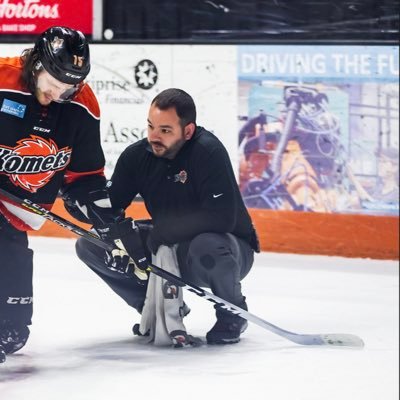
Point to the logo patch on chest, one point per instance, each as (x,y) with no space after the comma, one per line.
(13,108)
(181,177)
(33,162)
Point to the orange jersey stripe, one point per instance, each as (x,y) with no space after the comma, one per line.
(71,176)
(10,76)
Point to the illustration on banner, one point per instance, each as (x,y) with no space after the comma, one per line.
(324,139)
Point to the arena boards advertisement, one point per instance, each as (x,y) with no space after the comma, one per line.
(34,16)
(125,79)
(309,128)
(319,128)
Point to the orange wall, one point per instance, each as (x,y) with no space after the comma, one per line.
(329,234)
(297,232)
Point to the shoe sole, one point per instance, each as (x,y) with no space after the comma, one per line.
(224,341)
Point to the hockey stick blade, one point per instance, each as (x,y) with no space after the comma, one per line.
(342,339)
(332,339)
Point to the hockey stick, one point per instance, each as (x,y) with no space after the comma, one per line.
(330,339)
(39,210)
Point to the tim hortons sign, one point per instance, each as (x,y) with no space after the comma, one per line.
(35,16)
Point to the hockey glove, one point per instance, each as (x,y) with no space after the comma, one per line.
(92,207)
(87,200)
(128,256)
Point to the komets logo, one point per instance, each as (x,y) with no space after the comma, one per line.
(32,163)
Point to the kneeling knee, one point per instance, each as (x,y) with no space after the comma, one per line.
(85,250)
(209,249)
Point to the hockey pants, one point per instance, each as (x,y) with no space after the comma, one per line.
(16,293)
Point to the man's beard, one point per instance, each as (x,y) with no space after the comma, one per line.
(169,152)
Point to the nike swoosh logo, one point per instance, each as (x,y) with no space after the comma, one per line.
(217,195)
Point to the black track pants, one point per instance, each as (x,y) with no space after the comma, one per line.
(126,287)
(217,261)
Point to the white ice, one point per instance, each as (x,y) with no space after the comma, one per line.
(81,346)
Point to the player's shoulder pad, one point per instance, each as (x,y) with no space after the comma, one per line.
(87,99)
(10,73)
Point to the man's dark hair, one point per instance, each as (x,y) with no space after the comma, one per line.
(29,60)
(181,101)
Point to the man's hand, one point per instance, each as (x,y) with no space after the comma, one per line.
(95,207)
(128,256)
(118,260)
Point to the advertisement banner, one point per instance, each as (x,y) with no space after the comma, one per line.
(308,128)
(319,128)
(126,78)
(34,16)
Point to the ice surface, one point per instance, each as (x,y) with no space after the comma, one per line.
(81,347)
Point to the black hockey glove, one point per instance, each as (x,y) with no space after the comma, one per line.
(88,201)
(128,257)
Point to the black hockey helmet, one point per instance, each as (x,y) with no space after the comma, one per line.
(64,54)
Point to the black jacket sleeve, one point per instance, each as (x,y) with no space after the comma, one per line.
(124,182)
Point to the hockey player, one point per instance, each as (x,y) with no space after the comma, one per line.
(50,140)
(184,175)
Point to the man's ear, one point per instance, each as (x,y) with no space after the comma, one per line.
(189,131)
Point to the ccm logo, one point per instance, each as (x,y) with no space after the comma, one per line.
(20,300)
(73,76)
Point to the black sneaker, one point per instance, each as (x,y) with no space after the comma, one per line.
(227,330)
(136,331)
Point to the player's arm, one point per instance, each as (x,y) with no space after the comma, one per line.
(86,197)
(88,200)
